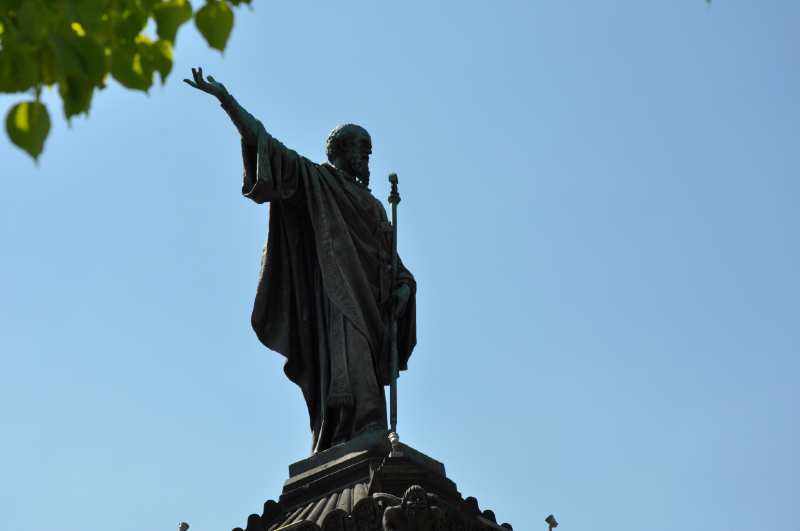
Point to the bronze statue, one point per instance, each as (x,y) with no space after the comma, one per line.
(325,291)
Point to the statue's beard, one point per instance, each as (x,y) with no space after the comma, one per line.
(356,167)
(361,171)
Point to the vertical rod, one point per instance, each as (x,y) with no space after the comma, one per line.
(394,199)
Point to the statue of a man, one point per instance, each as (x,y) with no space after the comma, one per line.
(325,290)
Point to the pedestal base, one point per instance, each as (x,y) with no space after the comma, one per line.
(371,484)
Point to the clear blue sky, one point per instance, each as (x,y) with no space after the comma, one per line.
(600,204)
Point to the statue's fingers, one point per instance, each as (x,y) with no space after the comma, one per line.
(211,79)
(190,83)
(200,72)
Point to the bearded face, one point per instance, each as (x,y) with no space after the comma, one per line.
(356,155)
(349,147)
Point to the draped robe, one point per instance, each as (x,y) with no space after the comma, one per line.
(324,290)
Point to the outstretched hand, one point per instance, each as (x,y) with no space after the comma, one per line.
(209,85)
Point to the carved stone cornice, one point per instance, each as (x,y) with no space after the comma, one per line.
(366,485)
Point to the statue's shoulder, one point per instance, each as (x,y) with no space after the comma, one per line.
(332,175)
(329,168)
(343,178)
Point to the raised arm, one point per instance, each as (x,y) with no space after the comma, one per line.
(243,120)
(271,170)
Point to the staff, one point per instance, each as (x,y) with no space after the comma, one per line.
(394,199)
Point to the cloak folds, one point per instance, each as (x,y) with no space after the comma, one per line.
(324,229)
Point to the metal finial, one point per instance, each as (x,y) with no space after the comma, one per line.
(394,440)
(394,195)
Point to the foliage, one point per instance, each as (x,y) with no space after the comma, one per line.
(76,44)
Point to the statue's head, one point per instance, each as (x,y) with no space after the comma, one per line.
(349,147)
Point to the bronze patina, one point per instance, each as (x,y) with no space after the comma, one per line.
(328,296)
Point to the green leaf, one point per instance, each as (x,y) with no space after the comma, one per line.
(9,5)
(215,22)
(76,94)
(161,57)
(146,50)
(93,59)
(17,69)
(33,19)
(66,57)
(27,125)
(170,16)
(149,5)
(89,14)
(47,66)
(79,57)
(131,69)
(130,22)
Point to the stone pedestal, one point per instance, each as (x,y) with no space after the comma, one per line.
(371,484)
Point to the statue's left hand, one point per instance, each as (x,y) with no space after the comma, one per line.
(209,85)
(400,297)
